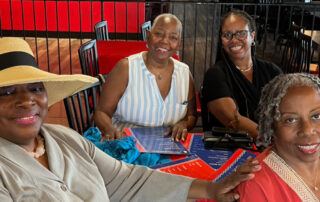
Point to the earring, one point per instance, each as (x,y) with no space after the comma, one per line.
(147,45)
(177,53)
(253,43)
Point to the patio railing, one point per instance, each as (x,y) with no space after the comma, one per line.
(56,28)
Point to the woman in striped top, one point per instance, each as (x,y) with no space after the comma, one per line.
(150,88)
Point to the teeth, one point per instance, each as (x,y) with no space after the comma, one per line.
(236,48)
(27,118)
(308,147)
(162,49)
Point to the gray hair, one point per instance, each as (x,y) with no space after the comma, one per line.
(169,15)
(268,109)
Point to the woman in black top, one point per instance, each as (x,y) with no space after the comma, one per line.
(232,87)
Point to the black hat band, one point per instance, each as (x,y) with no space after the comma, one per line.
(17,58)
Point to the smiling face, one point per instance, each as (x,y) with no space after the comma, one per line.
(164,38)
(297,133)
(23,109)
(240,48)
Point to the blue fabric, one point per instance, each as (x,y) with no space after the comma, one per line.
(124,149)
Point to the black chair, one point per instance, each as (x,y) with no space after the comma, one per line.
(305,53)
(80,106)
(144,27)
(205,114)
(101,30)
(290,58)
(307,50)
(88,56)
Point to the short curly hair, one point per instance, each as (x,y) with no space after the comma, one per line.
(268,109)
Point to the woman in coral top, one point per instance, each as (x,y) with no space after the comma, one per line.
(289,124)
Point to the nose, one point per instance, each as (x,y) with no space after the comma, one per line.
(165,38)
(234,38)
(308,128)
(24,99)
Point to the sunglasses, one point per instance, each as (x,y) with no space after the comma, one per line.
(240,35)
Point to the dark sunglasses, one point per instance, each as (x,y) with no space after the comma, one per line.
(240,35)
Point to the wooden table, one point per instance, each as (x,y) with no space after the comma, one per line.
(315,34)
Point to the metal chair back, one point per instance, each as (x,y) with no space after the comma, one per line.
(101,30)
(305,52)
(290,57)
(81,105)
(144,27)
(88,56)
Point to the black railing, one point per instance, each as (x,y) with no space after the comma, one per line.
(65,25)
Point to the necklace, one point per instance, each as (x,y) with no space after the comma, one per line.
(245,70)
(315,187)
(159,77)
(305,182)
(40,148)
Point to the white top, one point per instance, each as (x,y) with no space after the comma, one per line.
(142,103)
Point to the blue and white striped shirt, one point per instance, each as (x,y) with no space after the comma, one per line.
(142,103)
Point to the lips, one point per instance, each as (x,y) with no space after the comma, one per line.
(162,50)
(28,119)
(236,48)
(308,149)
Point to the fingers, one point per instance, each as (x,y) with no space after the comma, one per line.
(179,133)
(219,192)
(184,134)
(111,136)
(118,134)
(168,131)
(249,166)
(106,137)
(229,197)
(242,173)
(175,136)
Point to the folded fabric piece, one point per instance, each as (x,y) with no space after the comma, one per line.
(124,149)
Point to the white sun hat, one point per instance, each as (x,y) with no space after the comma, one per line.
(18,66)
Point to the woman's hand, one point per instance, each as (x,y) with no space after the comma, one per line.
(222,191)
(111,135)
(178,131)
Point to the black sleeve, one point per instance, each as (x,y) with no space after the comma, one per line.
(215,84)
(276,70)
(267,71)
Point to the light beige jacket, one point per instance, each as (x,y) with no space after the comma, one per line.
(80,172)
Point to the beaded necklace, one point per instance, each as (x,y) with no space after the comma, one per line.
(245,70)
(39,151)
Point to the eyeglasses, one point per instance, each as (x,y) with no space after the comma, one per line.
(240,35)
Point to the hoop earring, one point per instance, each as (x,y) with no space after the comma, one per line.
(253,43)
